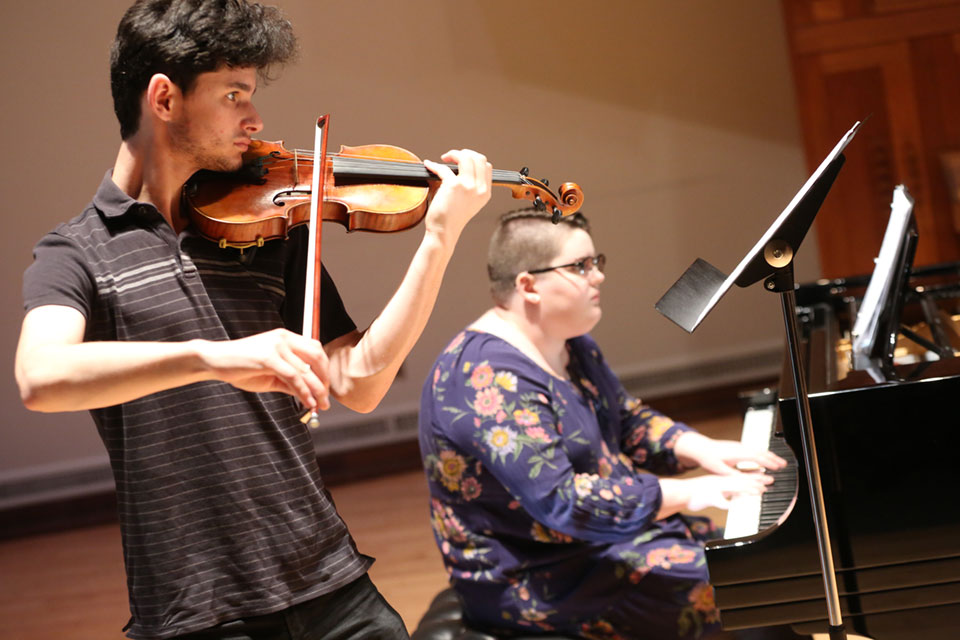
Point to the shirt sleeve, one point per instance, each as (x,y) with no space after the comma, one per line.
(59,275)
(512,417)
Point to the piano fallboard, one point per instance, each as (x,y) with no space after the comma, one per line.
(888,455)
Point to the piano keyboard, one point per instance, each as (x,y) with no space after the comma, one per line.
(748,515)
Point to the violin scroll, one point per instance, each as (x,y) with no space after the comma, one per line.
(568,202)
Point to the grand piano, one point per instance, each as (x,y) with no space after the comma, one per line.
(887,437)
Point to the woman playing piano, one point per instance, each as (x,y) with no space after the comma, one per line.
(541,466)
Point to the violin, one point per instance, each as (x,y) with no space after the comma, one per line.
(380,188)
(372,188)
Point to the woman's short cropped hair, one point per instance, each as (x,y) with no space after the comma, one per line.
(525,239)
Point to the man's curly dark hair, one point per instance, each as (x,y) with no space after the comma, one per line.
(184,38)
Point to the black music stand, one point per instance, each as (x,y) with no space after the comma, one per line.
(702,285)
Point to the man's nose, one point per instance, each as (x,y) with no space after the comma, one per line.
(253,123)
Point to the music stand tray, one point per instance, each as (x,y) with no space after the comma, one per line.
(702,285)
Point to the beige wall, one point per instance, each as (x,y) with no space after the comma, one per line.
(677,117)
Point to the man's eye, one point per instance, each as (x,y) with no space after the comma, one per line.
(232,96)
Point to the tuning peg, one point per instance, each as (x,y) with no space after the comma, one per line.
(556,215)
(525,171)
(545,182)
(539,204)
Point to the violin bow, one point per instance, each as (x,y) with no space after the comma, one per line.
(311,289)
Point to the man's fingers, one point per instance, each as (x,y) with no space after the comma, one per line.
(317,374)
(302,365)
(473,170)
(442,171)
(295,375)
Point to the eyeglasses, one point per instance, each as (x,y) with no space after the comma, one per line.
(584,266)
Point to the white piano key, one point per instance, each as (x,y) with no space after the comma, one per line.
(743,515)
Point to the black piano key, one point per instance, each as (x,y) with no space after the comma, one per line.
(778,497)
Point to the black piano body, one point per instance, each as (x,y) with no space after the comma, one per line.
(889,457)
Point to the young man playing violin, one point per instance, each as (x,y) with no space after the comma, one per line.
(183,352)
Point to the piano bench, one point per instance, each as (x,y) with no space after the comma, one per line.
(444,621)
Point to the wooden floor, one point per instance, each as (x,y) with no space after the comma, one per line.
(72,584)
(75,581)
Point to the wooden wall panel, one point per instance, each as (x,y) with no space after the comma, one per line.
(936,62)
(859,201)
(897,62)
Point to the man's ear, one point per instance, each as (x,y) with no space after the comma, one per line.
(163,97)
(525,285)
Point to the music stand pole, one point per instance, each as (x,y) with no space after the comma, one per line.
(782,282)
(702,285)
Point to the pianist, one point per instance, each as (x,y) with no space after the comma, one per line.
(540,465)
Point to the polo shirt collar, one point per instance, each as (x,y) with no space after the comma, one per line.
(111,199)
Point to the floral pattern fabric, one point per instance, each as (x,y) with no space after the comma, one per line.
(544,502)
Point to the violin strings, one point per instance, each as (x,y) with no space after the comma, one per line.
(393,168)
(400,167)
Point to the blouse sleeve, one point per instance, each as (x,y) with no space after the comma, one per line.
(516,419)
(648,436)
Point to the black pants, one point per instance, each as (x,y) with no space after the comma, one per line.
(356,611)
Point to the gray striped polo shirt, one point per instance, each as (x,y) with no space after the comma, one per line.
(221,505)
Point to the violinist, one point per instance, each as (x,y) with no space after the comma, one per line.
(183,352)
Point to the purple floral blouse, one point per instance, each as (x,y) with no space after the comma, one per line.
(543,501)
